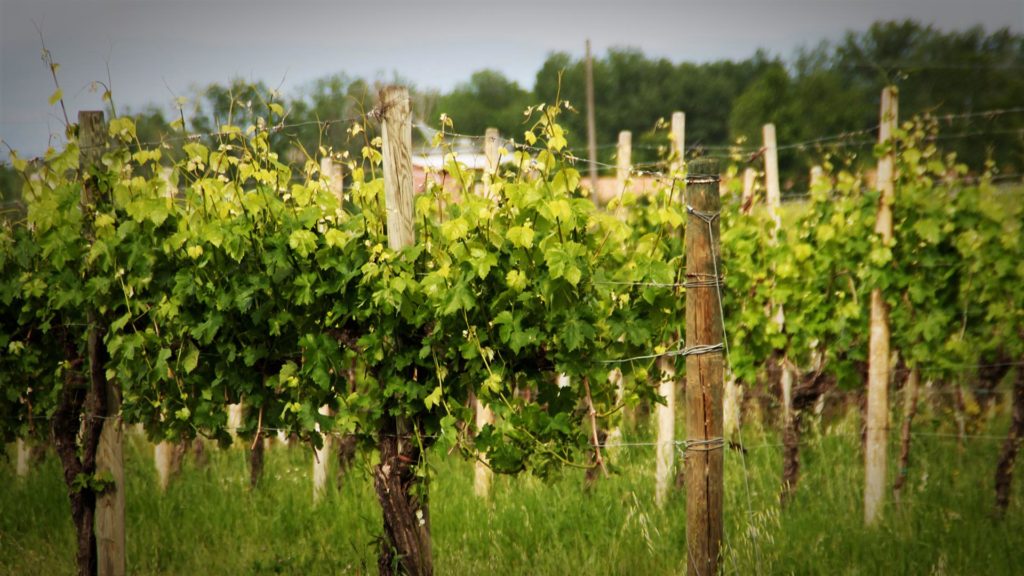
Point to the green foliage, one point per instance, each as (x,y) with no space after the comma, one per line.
(487,100)
(233,277)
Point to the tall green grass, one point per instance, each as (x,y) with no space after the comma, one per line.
(209,522)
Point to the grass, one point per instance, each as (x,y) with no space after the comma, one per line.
(209,522)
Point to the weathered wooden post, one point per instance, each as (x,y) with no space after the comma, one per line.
(771,173)
(878,344)
(109,454)
(406,517)
(623,160)
(664,451)
(330,171)
(481,471)
(678,141)
(704,369)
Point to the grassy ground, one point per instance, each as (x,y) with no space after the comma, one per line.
(210,523)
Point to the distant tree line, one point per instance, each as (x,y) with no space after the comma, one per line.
(827,90)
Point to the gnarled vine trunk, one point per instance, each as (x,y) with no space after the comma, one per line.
(1014,437)
(76,442)
(808,389)
(406,547)
(910,391)
(256,454)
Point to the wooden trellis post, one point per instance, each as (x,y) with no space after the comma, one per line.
(407,535)
(704,369)
(878,344)
(482,475)
(664,457)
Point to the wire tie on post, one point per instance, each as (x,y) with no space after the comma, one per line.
(705,445)
(697,350)
(708,217)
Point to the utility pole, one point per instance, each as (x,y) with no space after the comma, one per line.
(591,125)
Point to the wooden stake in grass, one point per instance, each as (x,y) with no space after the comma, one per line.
(704,369)
(878,344)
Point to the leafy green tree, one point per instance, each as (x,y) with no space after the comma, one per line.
(487,100)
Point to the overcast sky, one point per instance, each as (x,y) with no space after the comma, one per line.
(156,49)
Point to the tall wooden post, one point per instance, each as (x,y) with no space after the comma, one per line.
(704,369)
(771,173)
(591,124)
(481,471)
(406,515)
(109,453)
(664,456)
(878,343)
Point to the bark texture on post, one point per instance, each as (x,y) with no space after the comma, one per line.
(704,370)
(878,343)
(1008,456)
(396,132)
(406,546)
